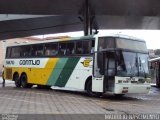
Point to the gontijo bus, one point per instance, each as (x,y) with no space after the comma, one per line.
(115,63)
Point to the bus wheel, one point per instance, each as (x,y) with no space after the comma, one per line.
(24,81)
(89,90)
(17,80)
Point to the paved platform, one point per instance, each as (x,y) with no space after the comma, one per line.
(65,104)
(41,101)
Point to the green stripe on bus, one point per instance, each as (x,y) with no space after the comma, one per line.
(66,72)
(57,71)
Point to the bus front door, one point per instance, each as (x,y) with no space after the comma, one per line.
(109,71)
(98,74)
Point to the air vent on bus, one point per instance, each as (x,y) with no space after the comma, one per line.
(8,73)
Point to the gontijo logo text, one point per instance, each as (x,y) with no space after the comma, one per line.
(23,62)
(29,62)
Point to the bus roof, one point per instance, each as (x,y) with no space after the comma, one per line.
(122,36)
(51,40)
(76,38)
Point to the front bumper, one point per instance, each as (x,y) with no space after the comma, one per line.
(131,88)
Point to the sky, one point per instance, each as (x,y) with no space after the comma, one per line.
(152,37)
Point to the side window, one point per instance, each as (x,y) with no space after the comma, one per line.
(70,48)
(15,52)
(8,53)
(87,46)
(106,42)
(92,46)
(79,47)
(37,50)
(62,48)
(51,49)
(25,51)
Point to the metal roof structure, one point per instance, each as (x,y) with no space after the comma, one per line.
(20,18)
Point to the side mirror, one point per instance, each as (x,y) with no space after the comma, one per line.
(100,62)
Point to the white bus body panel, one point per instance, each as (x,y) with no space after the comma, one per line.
(97,84)
(80,74)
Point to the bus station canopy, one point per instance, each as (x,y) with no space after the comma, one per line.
(19,18)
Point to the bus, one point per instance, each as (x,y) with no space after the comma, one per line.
(115,64)
(154,65)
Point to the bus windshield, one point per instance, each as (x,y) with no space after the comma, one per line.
(132,64)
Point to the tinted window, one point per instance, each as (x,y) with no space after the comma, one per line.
(70,48)
(51,49)
(131,44)
(62,48)
(79,47)
(106,42)
(37,50)
(87,45)
(111,63)
(84,47)
(25,51)
(8,53)
(15,52)
(93,46)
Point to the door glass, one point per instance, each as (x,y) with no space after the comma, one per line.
(111,63)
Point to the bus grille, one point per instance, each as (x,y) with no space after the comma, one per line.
(8,73)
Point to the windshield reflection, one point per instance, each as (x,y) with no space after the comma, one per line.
(132,64)
(143,64)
